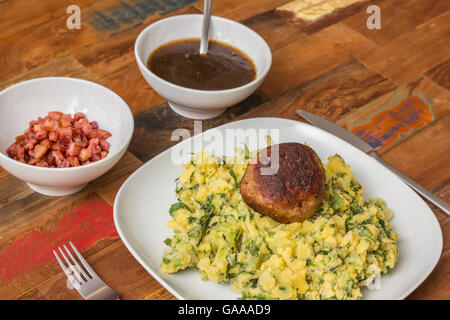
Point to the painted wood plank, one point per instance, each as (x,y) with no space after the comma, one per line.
(273,29)
(412,53)
(424,9)
(39,12)
(115,265)
(332,95)
(425,155)
(319,73)
(307,58)
(111,17)
(110,183)
(65,66)
(313,15)
(240,10)
(29,219)
(26,257)
(33,207)
(115,63)
(29,49)
(3,173)
(12,190)
(154,127)
(395,21)
(395,116)
(441,74)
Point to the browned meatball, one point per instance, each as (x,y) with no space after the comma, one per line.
(294,192)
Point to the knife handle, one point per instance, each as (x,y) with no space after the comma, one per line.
(437,201)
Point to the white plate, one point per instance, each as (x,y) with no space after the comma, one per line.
(142,204)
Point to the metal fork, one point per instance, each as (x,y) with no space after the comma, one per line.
(87,282)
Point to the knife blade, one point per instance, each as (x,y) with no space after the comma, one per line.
(336,130)
(369,150)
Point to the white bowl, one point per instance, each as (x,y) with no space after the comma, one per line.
(202,104)
(26,101)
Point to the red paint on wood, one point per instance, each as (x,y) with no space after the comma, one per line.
(84,226)
(410,114)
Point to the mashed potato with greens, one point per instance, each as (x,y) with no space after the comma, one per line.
(347,243)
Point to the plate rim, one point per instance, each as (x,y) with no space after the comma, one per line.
(169,288)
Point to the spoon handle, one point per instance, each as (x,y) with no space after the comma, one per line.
(205,28)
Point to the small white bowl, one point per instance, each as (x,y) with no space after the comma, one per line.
(202,104)
(26,101)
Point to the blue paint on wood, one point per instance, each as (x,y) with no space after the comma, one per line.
(121,15)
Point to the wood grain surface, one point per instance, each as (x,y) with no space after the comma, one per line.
(390,86)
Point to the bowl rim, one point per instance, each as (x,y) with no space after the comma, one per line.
(90,165)
(143,66)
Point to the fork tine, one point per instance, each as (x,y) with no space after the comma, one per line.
(80,269)
(72,267)
(66,271)
(83,261)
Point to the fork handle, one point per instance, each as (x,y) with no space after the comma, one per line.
(104,293)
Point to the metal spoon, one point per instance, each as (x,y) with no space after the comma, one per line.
(205,27)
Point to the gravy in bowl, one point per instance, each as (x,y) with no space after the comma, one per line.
(223,67)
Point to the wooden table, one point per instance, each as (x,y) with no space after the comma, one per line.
(391,86)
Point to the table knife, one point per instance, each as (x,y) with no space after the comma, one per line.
(369,150)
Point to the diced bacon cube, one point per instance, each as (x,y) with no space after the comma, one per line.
(59,157)
(96,157)
(41,148)
(20,153)
(74,162)
(72,141)
(79,115)
(51,159)
(84,141)
(41,134)
(11,151)
(76,132)
(74,149)
(19,139)
(55,115)
(36,128)
(103,134)
(67,117)
(82,122)
(51,125)
(86,129)
(53,136)
(33,161)
(30,135)
(56,147)
(65,164)
(64,142)
(64,123)
(85,154)
(42,164)
(29,144)
(92,134)
(94,146)
(104,145)
(66,132)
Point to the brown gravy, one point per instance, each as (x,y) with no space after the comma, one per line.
(223,67)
